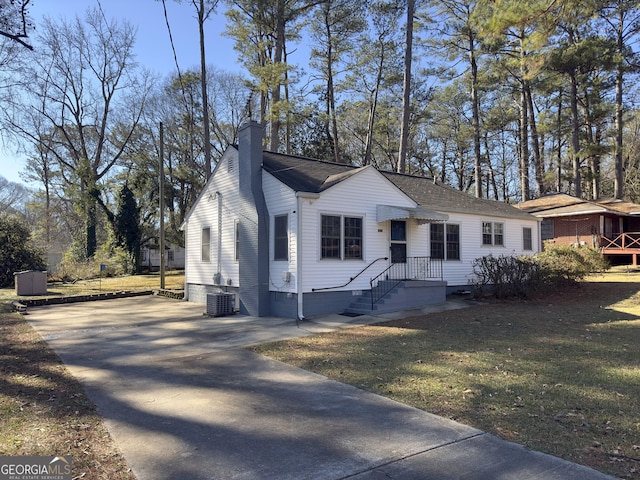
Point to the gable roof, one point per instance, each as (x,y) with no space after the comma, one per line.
(303,174)
(563,205)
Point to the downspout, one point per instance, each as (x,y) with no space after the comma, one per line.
(185,229)
(219,197)
(301,196)
(299,257)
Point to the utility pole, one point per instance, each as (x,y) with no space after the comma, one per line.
(161,194)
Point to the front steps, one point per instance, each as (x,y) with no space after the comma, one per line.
(406,295)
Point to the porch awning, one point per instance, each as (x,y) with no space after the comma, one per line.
(421,215)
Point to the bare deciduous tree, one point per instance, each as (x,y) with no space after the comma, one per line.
(14,21)
(81,85)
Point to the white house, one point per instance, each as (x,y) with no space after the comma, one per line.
(296,237)
(150,255)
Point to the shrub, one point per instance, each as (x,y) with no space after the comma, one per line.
(506,276)
(511,276)
(116,262)
(565,264)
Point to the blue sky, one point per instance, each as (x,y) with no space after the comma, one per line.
(153,48)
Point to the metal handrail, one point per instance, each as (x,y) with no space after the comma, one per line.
(414,268)
(352,278)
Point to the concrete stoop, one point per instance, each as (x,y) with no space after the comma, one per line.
(405,295)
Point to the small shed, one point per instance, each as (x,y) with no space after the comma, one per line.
(30,282)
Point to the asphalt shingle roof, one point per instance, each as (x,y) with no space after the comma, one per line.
(309,175)
(561,204)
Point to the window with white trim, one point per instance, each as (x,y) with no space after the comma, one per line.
(527,238)
(205,242)
(445,241)
(236,242)
(281,237)
(493,233)
(341,237)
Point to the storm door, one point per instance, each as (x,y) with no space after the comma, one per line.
(398,247)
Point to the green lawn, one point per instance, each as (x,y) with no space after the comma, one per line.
(559,374)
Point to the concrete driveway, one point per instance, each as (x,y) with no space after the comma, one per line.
(183,400)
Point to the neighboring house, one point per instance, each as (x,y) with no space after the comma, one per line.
(150,256)
(613,226)
(295,237)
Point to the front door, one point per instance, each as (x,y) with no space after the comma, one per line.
(398,247)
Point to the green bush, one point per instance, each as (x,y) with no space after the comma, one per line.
(512,276)
(17,253)
(565,264)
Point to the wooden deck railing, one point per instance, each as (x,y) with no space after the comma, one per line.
(620,242)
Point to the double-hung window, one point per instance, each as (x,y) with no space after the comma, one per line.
(352,237)
(341,237)
(236,237)
(453,241)
(527,239)
(493,233)
(281,237)
(206,244)
(445,241)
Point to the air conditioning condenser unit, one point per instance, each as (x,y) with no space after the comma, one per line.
(220,304)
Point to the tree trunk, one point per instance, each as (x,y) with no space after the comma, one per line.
(275,89)
(406,90)
(443,172)
(491,180)
(618,184)
(575,139)
(559,152)
(538,164)
(205,98)
(91,221)
(287,133)
(477,159)
(524,147)
(524,129)
(593,186)
(373,107)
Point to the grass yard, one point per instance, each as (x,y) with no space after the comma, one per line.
(559,374)
(174,280)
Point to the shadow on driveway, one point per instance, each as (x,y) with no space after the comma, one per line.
(183,400)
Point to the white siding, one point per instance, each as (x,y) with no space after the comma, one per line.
(356,196)
(281,200)
(459,272)
(221,192)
